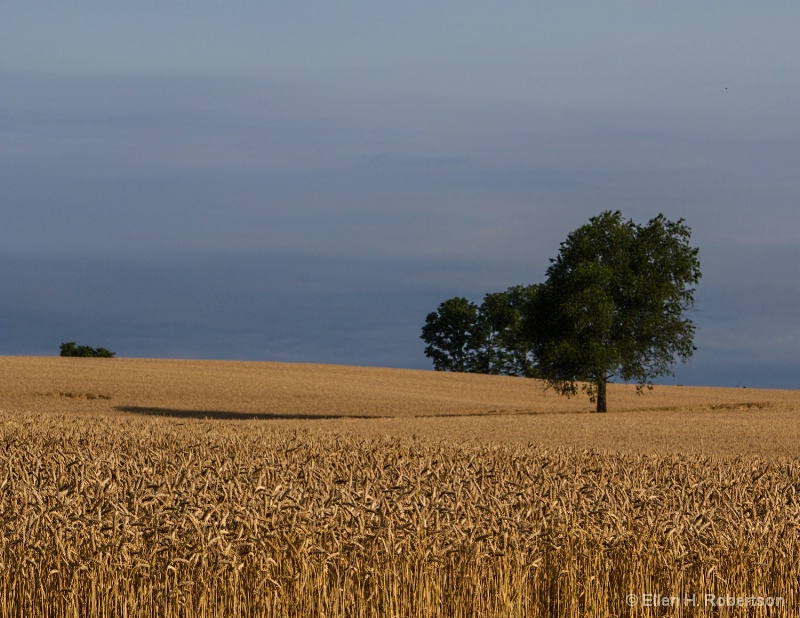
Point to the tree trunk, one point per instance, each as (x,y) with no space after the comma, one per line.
(602,381)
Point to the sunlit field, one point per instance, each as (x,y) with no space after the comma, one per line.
(196,488)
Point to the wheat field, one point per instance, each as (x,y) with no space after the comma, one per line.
(133,487)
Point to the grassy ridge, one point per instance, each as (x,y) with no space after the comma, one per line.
(393,402)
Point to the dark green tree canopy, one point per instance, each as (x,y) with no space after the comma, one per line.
(450,332)
(503,348)
(489,338)
(85,351)
(613,305)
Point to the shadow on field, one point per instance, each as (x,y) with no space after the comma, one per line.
(227,415)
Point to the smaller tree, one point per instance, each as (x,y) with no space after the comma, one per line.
(450,333)
(85,351)
(505,349)
(489,338)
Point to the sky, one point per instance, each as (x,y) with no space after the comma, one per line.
(305,180)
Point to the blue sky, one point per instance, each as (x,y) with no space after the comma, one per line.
(305,181)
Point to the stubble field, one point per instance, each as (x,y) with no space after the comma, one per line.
(196,488)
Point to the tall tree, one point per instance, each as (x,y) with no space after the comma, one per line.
(613,305)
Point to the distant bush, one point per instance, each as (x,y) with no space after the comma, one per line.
(70,349)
